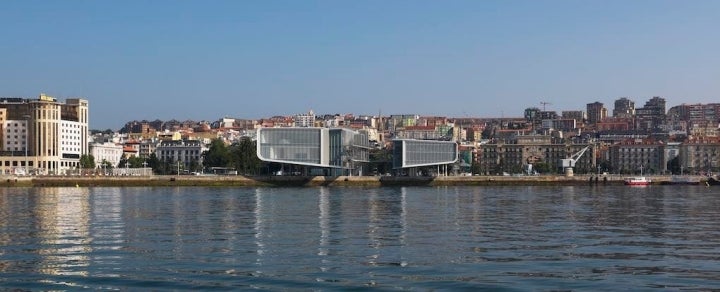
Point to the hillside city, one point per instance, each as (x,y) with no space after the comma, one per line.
(625,139)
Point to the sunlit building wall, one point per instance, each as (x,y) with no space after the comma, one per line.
(55,137)
(108,151)
(188,153)
(416,153)
(315,147)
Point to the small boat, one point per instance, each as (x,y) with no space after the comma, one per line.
(636,181)
(683,180)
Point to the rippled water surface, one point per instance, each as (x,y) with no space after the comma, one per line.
(421,238)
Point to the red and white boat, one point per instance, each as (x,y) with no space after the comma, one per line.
(637,181)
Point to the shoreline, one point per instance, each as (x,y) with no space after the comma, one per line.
(312,181)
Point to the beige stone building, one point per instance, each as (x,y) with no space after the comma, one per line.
(42,136)
(524,150)
(700,155)
(634,156)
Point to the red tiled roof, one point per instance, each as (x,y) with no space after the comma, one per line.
(420,128)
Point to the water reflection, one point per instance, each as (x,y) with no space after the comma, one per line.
(526,238)
(63,219)
(324,225)
(385,228)
(259,228)
(108,231)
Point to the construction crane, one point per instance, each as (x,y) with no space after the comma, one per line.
(569,163)
(543,103)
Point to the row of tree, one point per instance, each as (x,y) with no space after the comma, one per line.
(240,156)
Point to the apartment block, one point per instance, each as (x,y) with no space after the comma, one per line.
(700,155)
(652,116)
(596,112)
(638,155)
(185,152)
(624,108)
(305,120)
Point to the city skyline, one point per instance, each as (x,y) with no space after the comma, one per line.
(192,60)
(543,107)
(610,112)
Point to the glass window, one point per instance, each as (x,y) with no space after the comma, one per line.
(292,144)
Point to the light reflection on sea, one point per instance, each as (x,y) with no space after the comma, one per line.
(495,238)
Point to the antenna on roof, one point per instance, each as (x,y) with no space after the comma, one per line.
(543,103)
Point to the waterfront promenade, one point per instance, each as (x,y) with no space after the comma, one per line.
(254,181)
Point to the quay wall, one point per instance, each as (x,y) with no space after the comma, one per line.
(361,181)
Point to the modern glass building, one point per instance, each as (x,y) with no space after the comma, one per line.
(416,153)
(335,148)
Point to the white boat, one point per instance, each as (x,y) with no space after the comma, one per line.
(637,181)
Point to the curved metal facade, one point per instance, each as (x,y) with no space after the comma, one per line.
(321,147)
(414,153)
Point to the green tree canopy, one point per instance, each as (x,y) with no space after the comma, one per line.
(542,167)
(154,163)
(217,155)
(87,161)
(380,161)
(136,162)
(106,164)
(243,156)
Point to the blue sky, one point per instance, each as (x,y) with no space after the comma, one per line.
(248,59)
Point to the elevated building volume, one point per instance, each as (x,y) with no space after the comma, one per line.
(409,153)
(323,151)
(42,136)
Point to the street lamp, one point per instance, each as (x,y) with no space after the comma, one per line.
(27,127)
(145,167)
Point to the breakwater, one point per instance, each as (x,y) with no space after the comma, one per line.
(309,181)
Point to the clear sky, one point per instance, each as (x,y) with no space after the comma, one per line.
(203,60)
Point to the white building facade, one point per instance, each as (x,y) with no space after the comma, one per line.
(15,132)
(186,152)
(108,151)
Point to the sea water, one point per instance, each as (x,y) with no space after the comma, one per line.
(345,238)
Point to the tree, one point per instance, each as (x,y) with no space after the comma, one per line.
(217,155)
(106,164)
(167,166)
(123,161)
(154,163)
(542,167)
(243,156)
(194,166)
(131,162)
(87,161)
(606,166)
(380,160)
(476,168)
(674,165)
